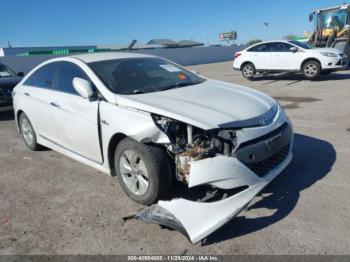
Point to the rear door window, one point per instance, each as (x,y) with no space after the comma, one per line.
(43,77)
(266,47)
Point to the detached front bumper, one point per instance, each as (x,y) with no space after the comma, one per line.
(200,219)
(255,164)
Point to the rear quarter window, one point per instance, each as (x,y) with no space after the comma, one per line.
(261,48)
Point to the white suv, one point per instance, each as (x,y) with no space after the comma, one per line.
(284,56)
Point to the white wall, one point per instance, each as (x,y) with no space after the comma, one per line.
(196,55)
(183,56)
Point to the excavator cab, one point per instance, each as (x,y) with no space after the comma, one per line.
(332,28)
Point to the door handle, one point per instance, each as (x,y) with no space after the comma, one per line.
(55,104)
(27,94)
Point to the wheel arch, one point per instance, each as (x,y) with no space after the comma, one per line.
(246,62)
(114,142)
(17,115)
(112,145)
(308,60)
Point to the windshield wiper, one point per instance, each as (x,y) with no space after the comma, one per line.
(189,83)
(138,91)
(142,91)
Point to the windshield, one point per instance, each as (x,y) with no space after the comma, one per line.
(333,19)
(302,44)
(143,75)
(5,71)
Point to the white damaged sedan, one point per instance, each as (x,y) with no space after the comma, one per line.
(147,121)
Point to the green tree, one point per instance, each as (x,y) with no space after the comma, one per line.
(253,42)
(290,37)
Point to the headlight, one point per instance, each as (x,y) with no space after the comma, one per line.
(162,121)
(170,127)
(329,54)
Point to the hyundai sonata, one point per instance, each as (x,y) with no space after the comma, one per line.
(148,121)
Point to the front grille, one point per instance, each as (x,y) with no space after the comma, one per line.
(283,128)
(262,168)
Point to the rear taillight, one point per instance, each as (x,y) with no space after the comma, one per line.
(237,55)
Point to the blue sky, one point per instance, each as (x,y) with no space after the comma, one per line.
(89,22)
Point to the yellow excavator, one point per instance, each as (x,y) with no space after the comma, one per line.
(332,28)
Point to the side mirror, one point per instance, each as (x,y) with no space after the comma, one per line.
(293,49)
(20,74)
(83,87)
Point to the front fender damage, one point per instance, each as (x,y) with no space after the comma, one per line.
(231,174)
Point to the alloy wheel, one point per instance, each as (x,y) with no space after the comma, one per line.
(248,71)
(27,131)
(310,70)
(134,172)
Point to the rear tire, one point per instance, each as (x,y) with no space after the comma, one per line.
(28,133)
(248,71)
(143,171)
(311,70)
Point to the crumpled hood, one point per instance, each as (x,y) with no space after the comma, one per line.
(207,105)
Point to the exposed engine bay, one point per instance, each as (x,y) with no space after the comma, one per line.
(189,144)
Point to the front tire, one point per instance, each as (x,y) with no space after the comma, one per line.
(248,71)
(28,133)
(311,70)
(143,171)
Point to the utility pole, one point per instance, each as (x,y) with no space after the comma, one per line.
(267,25)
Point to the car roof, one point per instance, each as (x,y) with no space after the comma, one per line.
(270,41)
(103,56)
(274,41)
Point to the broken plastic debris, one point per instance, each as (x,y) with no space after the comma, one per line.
(155,214)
